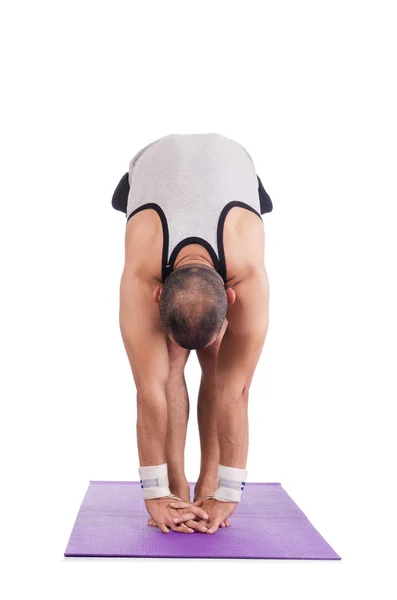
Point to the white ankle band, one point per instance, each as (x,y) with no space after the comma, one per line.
(230,484)
(154,481)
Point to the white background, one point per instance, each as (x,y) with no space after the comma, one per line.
(309,88)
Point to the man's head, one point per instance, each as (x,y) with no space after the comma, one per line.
(193,306)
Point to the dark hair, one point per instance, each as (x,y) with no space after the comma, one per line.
(193,306)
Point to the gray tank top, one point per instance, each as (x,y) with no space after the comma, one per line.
(192,181)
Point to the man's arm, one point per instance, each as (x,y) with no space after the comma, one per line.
(238,356)
(146,347)
(147,351)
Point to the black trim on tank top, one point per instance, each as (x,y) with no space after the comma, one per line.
(164,224)
(186,242)
(221,223)
(219,263)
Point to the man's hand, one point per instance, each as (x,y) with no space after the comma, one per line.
(168,517)
(217,511)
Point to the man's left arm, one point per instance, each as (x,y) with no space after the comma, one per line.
(238,355)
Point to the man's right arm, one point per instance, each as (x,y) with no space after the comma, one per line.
(146,347)
(147,351)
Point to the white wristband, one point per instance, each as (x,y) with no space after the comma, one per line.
(154,481)
(230,484)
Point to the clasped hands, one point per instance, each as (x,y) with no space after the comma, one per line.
(205,516)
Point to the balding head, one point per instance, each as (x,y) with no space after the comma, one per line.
(193,306)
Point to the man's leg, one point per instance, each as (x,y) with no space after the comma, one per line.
(177,418)
(178,414)
(206,417)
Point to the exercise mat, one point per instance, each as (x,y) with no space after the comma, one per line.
(112,521)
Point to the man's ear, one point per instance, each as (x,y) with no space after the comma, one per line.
(157,293)
(231,295)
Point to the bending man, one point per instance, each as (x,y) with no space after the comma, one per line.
(194,279)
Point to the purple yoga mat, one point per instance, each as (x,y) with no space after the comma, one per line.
(112,521)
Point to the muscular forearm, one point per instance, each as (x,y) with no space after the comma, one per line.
(151,426)
(232,428)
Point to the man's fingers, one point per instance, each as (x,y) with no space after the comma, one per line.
(190,505)
(183,517)
(191,513)
(182,528)
(163,528)
(198,525)
(180,504)
(214,526)
(187,516)
(199,512)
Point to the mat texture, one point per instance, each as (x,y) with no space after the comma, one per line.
(112,521)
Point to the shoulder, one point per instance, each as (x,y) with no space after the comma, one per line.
(244,245)
(144,246)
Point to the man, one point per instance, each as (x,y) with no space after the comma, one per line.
(194,279)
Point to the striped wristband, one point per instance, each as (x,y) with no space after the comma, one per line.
(154,481)
(230,484)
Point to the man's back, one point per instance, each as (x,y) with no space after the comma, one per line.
(192,182)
